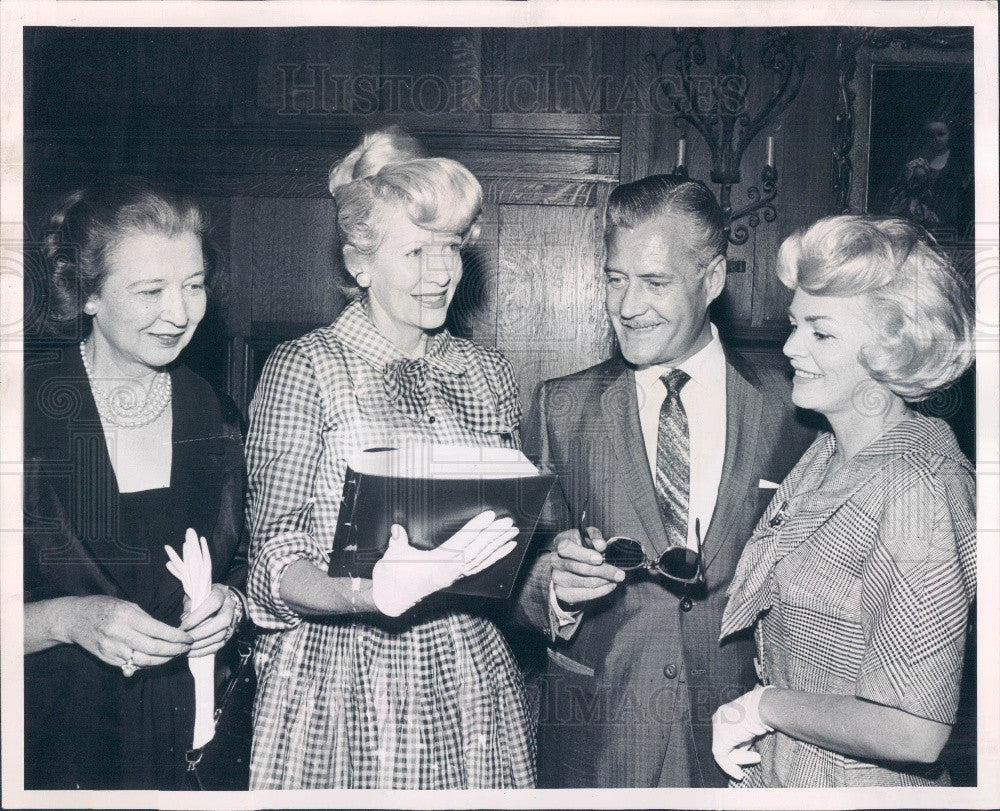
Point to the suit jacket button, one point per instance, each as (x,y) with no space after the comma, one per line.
(686,604)
(670,671)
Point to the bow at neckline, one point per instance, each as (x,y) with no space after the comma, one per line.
(449,373)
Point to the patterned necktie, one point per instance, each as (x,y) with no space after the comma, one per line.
(673,460)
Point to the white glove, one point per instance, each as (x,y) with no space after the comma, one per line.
(734,727)
(194,571)
(404,576)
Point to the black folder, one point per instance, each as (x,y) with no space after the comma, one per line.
(433,509)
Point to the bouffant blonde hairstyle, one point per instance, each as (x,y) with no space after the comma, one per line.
(389,170)
(920,307)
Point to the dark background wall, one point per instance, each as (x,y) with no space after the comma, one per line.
(549,119)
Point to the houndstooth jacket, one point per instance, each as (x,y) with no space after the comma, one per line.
(862,588)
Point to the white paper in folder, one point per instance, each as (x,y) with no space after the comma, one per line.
(194,571)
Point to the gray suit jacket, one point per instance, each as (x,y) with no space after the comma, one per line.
(628,700)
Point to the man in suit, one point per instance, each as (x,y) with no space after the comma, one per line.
(677,442)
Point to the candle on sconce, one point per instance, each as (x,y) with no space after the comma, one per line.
(681,151)
(770,150)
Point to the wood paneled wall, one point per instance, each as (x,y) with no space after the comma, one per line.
(549,120)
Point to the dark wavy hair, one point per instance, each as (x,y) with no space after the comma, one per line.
(690,201)
(89,223)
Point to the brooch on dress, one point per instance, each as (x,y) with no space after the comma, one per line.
(780,516)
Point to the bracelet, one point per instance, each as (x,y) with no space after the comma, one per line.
(237,617)
(355,591)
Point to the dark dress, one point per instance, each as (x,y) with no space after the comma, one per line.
(86,725)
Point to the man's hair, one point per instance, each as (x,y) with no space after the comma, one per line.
(690,201)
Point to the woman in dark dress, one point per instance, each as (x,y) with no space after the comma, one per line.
(935,188)
(125,450)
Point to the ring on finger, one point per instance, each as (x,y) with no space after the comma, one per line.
(129,667)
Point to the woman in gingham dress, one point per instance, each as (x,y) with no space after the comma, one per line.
(363,683)
(861,573)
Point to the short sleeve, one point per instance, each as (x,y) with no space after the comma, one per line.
(915,597)
(284,447)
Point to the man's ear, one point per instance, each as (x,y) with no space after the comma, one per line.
(715,278)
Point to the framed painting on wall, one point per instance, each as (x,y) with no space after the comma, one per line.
(920,147)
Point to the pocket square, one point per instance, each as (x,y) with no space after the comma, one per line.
(571,665)
(764,484)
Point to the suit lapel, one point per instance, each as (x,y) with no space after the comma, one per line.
(633,466)
(744,409)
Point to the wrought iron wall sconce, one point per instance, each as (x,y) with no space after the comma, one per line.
(715,105)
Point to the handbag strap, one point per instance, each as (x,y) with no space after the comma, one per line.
(193,757)
(244,648)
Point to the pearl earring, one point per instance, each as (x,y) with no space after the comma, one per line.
(363,279)
(90,308)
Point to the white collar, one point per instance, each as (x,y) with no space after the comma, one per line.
(702,367)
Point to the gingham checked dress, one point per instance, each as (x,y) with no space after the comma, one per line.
(862,587)
(432,701)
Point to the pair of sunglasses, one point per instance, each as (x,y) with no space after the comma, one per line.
(678,563)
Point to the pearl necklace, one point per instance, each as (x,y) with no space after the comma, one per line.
(121,407)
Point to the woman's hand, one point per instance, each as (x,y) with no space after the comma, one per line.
(210,623)
(734,727)
(117,631)
(404,576)
(916,170)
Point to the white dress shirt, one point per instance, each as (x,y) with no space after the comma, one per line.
(704,401)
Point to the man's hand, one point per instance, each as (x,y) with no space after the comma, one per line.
(580,574)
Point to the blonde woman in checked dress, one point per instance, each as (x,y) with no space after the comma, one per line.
(859,576)
(379,683)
